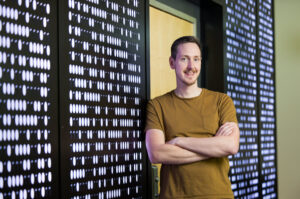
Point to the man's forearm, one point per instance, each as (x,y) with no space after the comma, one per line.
(171,154)
(224,143)
(210,147)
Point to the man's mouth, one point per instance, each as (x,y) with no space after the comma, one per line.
(190,72)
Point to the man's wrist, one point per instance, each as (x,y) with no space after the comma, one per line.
(179,141)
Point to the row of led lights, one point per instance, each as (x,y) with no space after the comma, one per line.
(14,134)
(24,120)
(34,62)
(34,47)
(11,13)
(21,30)
(109,4)
(18,180)
(25,149)
(99,146)
(91,184)
(25,193)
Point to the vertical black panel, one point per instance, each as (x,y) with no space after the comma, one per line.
(267,106)
(251,84)
(241,84)
(212,72)
(102,81)
(28,102)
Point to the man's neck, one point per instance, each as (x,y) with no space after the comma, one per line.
(188,92)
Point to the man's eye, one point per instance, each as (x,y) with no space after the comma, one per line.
(183,59)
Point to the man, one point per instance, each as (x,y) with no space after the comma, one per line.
(191,131)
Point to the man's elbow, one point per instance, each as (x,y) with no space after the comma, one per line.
(154,161)
(234,149)
(234,144)
(154,158)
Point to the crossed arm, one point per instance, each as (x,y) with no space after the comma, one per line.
(182,150)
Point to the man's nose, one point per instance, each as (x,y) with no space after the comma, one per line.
(190,64)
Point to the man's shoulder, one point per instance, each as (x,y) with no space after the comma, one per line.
(218,98)
(214,94)
(160,103)
(165,98)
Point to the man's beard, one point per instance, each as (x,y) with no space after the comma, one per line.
(187,83)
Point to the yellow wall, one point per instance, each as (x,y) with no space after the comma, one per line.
(164,29)
(287,55)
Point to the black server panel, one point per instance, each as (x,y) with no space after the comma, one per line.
(28,102)
(267,114)
(102,89)
(250,81)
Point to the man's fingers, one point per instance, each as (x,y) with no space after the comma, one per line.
(225,129)
(224,132)
(173,141)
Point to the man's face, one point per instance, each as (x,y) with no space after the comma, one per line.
(187,64)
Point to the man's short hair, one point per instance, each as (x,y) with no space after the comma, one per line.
(183,40)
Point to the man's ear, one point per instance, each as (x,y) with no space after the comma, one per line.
(171,62)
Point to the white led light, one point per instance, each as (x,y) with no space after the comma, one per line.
(48,9)
(41,35)
(26,31)
(43,192)
(32,178)
(45,134)
(8,165)
(34,4)
(28,134)
(46,121)
(39,152)
(27,17)
(24,90)
(44,22)
(32,193)
(49,177)
(49,163)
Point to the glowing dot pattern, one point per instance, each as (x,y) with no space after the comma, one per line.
(267,99)
(27,89)
(242,87)
(250,83)
(103,88)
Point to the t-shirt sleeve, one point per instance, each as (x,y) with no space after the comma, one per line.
(153,117)
(227,112)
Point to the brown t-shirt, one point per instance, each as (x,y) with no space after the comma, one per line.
(199,117)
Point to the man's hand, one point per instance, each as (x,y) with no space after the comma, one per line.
(226,129)
(174,141)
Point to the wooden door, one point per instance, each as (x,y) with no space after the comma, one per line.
(164,29)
